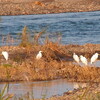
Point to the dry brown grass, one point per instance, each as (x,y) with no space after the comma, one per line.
(26,7)
(57,62)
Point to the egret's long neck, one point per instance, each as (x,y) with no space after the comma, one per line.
(39,52)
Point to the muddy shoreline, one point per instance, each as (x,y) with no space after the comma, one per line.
(87,93)
(57,62)
(25,7)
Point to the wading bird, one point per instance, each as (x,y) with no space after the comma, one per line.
(94,58)
(76,58)
(39,55)
(5,54)
(83,59)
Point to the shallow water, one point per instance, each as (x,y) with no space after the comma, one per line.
(76,28)
(95,64)
(40,89)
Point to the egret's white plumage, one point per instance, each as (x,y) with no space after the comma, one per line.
(76,58)
(5,54)
(76,86)
(83,59)
(39,55)
(94,58)
(81,85)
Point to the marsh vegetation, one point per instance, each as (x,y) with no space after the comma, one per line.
(57,62)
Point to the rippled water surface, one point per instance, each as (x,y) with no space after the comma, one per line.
(76,28)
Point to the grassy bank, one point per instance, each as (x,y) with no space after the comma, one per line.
(56,62)
(25,7)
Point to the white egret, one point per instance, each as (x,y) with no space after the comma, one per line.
(81,85)
(76,58)
(5,54)
(76,86)
(94,58)
(39,55)
(83,59)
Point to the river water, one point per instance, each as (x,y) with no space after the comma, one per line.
(75,28)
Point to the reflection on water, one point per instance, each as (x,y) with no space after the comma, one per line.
(39,89)
(79,85)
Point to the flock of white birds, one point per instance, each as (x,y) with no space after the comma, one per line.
(6,55)
(75,57)
(84,59)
